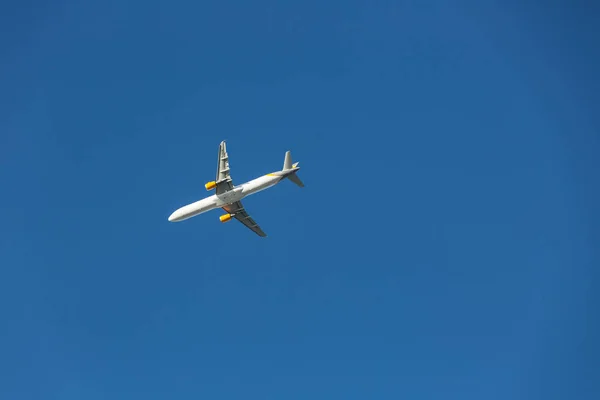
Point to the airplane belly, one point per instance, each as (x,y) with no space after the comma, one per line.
(259,184)
(230,197)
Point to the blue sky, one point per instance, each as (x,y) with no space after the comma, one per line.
(445,245)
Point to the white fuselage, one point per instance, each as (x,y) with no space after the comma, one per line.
(229,197)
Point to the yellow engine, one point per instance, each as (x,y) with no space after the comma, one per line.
(225,218)
(210,185)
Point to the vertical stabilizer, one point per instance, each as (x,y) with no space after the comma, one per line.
(287,163)
(287,166)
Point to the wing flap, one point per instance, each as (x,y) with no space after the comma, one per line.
(223,179)
(239,212)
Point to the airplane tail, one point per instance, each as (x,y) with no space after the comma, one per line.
(292,169)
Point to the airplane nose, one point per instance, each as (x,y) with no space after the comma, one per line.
(177,215)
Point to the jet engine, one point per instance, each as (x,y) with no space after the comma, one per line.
(225,218)
(210,185)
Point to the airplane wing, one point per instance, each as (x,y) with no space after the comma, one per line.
(223,180)
(239,213)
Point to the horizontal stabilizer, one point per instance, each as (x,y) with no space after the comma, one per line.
(294,178)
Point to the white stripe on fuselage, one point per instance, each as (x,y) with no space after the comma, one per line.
(218,201)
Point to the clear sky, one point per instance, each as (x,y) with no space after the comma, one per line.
(445,245)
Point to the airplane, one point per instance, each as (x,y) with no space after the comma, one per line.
(229,197)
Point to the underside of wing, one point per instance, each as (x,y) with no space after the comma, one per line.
(239,213)
(223,180)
